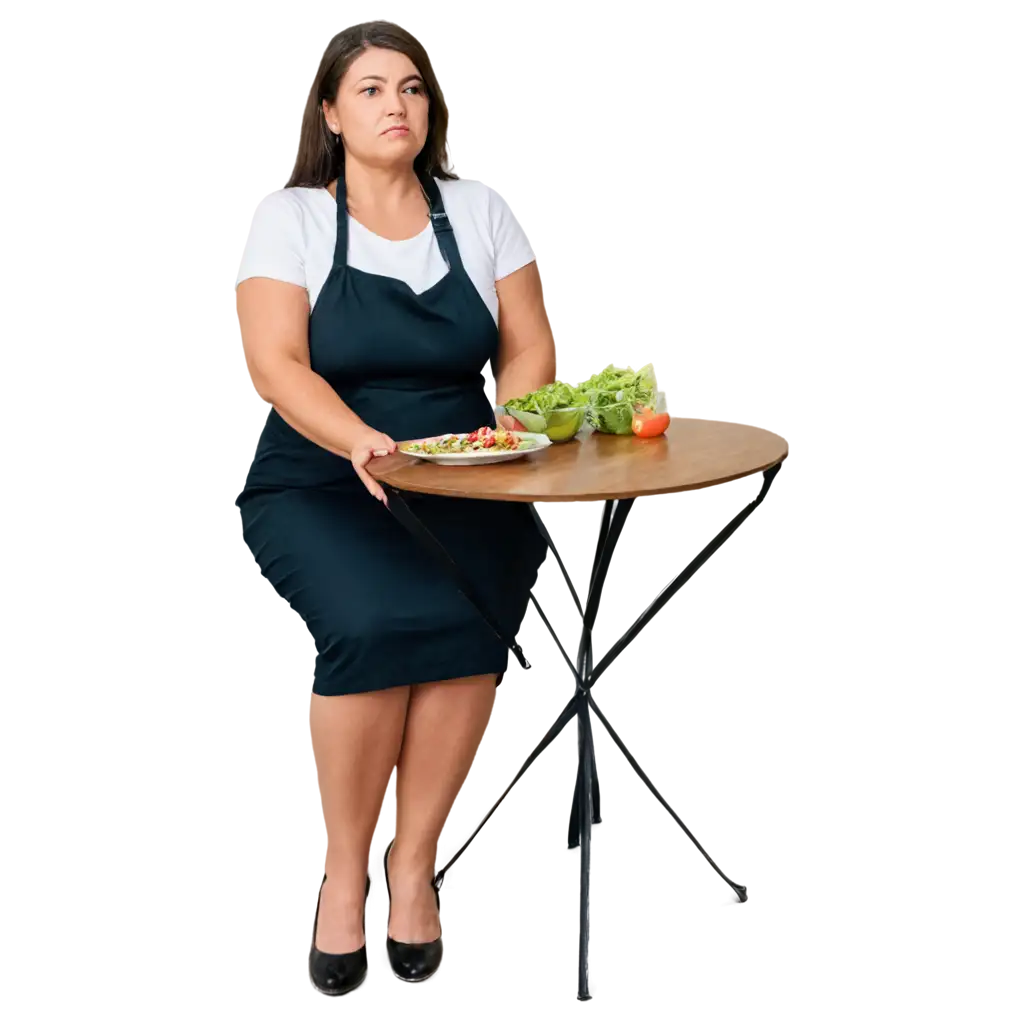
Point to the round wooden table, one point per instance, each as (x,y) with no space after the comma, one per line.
(592,467)
(600,467)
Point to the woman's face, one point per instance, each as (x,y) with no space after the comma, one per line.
(381,88)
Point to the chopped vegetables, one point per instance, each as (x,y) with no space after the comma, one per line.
(618,400)
(499,440)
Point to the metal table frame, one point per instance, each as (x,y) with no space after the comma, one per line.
(586,800)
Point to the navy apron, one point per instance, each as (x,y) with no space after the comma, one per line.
(380,611)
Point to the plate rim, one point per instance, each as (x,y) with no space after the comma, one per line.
(543,441)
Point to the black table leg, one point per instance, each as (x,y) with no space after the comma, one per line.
(612,522)
(562,722)
(687,573)
(588,774)
(585,807)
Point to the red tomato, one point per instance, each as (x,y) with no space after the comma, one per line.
(489,441)
(648,423)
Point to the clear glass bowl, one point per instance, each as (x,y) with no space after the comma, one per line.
(558,425)
(533,421)
(564,424)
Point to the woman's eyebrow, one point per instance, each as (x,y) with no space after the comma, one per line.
(381,78)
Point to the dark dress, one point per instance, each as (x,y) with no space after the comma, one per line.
(380,610)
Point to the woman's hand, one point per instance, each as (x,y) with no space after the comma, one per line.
(366,443)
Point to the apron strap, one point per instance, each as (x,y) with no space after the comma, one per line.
(341,242)
(438,218)
(442,226)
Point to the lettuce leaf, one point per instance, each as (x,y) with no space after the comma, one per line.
(612,393)
(556,395)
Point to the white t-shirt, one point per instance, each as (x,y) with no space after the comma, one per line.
(294,230)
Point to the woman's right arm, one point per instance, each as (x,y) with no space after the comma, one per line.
(274,319)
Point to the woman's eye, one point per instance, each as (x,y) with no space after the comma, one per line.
(372,89)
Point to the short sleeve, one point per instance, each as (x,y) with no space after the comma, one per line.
(511,246)
(274,247)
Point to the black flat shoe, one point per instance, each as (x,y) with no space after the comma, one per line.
(412,961)
(337,973)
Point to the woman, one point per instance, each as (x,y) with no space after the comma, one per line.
(368,301)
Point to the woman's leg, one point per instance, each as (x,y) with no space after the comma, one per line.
(356,740)
(444,724)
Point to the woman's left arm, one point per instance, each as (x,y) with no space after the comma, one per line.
(526,347)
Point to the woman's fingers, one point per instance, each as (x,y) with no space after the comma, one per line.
(373,446)
(391,446)
(368,481)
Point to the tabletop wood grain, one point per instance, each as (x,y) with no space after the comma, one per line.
(596,467)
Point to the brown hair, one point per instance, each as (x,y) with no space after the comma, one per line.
(321,156)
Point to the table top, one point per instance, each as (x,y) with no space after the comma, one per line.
(597,467)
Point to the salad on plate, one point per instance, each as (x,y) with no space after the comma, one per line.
(482,438)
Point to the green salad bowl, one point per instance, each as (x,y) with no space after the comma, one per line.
(557,424)
(564,424)
(533,421)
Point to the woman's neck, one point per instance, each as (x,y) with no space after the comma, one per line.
(396,219)
(383,192)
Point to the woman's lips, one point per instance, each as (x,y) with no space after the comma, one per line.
(397,131)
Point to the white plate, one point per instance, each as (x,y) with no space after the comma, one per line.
(481,456)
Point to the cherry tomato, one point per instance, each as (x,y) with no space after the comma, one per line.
(648,423)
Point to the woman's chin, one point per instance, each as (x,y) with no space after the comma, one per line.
(396,151)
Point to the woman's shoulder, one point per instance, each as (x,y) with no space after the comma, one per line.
(290,201)
(284,216)
(464,190)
